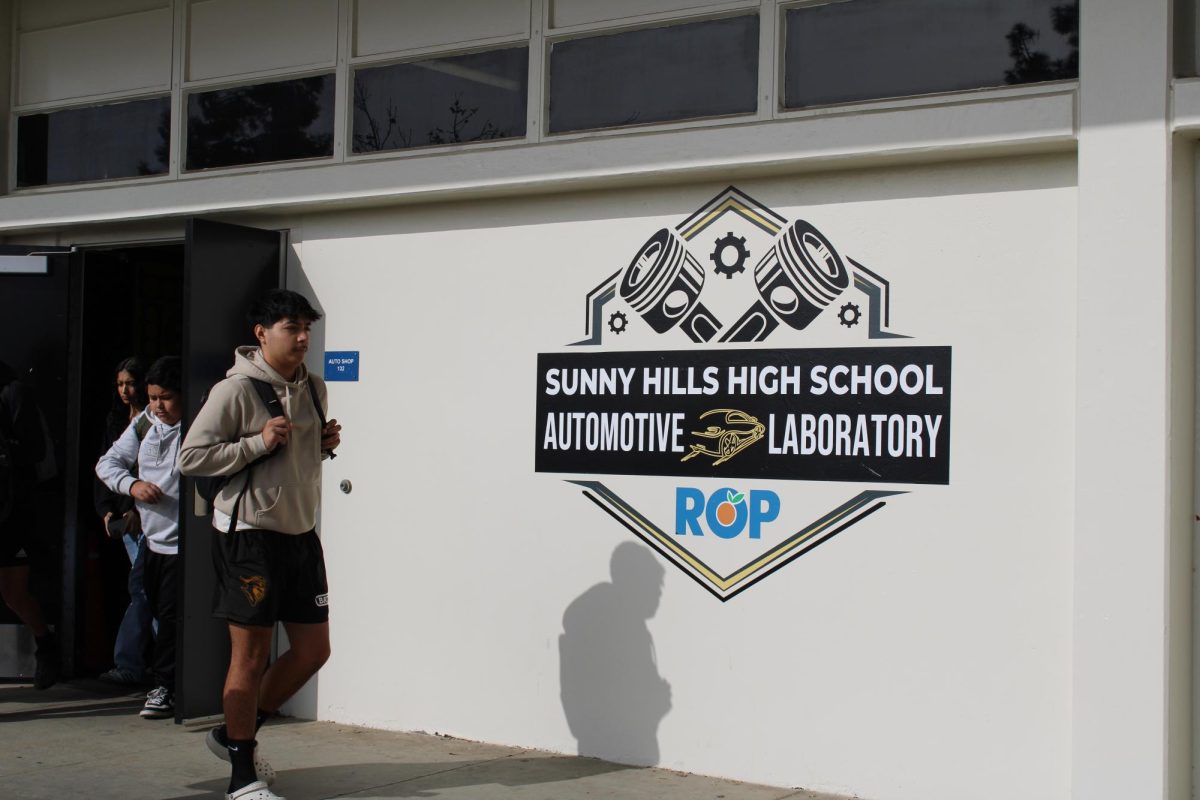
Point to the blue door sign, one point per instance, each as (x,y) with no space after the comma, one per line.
(341,365)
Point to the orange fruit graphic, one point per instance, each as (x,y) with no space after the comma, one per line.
(726,513)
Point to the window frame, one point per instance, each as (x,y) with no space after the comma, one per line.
(109,99)
(541,37)
(211,86)
(947,97)
(651,22)
(415,55)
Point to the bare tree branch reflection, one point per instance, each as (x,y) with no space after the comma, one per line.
(375,134)
(469,98)
(460,117)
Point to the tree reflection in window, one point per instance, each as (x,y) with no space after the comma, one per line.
(279,121)
(162,150)
(468,98)
(858,50)
(1029,65)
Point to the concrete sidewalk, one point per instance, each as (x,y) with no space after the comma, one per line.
(84,739)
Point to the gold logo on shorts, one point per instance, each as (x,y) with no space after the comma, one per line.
(255,588)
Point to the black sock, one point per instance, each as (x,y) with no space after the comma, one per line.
(260,718)
(241,755)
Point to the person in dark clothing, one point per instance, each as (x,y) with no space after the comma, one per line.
(121,521)
(23,448)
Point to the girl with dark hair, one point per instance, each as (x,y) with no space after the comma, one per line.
(130,398)
(121,521)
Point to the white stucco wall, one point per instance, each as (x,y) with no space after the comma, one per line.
(924,654)
(1022,632)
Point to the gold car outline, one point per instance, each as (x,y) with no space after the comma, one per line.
(729,442)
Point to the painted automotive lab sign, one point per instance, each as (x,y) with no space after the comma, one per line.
(721,408)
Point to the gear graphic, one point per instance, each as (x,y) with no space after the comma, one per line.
(738,243)
(617,322)
(849,315)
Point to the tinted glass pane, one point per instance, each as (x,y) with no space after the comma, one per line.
(865,49)
(277,121)
(702,69)
(467,98)
(93,144)
(1184,38)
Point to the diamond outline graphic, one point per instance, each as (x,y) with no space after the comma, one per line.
(725,587)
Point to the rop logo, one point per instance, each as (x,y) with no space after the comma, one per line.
(727,512)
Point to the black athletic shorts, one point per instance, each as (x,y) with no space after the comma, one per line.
(264,577)
(18,533)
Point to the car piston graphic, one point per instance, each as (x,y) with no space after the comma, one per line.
(797,279)
(731,460)
(799,273)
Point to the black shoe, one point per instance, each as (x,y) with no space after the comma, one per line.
(122,677)
(160,703)
(47,665)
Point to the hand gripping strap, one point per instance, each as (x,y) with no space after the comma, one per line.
(270,399)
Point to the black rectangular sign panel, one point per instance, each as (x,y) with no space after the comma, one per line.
(866,414)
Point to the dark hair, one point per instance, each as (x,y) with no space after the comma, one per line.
(133,365)
(280,304)
(167,372)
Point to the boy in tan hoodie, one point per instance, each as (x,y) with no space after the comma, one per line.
(269,563)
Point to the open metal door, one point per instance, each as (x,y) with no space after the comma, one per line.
(226,268)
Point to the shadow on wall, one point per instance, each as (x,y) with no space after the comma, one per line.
(612,694)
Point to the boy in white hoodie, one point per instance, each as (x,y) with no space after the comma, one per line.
(146,470)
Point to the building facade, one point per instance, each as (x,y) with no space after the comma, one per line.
(629,306)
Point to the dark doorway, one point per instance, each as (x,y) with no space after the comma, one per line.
(64,332)
(34,334)
(131,305)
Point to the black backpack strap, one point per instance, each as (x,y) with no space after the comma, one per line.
(312,392)
(266,393)
(233,516)
(271,400)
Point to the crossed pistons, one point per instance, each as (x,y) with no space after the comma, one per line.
(799,277)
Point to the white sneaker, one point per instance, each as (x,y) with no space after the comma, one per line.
(160,703)
(254,791)
(216,745)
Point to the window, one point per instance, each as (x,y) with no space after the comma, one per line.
(868,49)
(468,98)
(698,69)
(278,121)
(120,140)
(1184,38)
